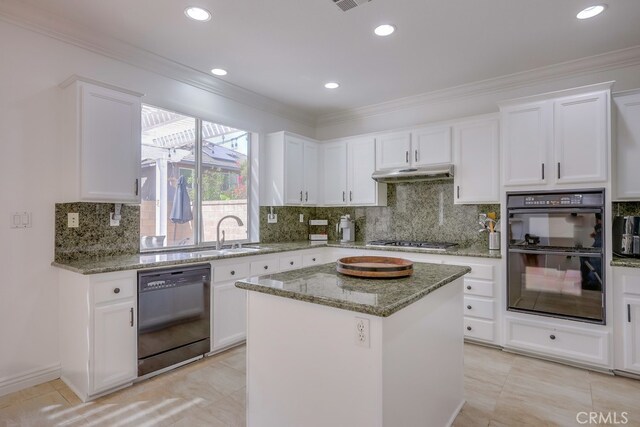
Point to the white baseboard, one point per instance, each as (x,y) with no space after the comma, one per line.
(29,379)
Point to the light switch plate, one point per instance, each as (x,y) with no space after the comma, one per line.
(20,220)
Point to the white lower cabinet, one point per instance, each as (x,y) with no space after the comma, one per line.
(626,287)
(582,345)
(98,331)
(115,339)
(229,315)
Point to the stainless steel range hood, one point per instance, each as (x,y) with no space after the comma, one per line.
(426,173)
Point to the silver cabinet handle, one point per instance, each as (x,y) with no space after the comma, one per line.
(131,311)
(558,170)
(629,313)
(306,196)
(543,171)
(406,157)
(416,155)
(136,186)
(301,195)
(344,196)
(351,196)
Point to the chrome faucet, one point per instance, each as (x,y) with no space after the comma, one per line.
(219,243)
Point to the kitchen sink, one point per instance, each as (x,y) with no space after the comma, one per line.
(239,250)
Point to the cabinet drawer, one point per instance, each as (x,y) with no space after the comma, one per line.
(630,283)
(571,343)
(113,288)
(478,287)
(311,259)
(480,271)
(266,266)
(225,273)
(479,329)
(478,307)
(290,262)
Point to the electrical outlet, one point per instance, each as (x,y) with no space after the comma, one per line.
(73,220)
(362,332)
(301,217)
(272,218)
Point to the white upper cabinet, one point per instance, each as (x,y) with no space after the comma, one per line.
(348,166)
(335,173)
(627,147)
(557,139)
(526,130)
(104,128)
(393,150)
(431,146)
(581,138)
(409,149)
(291,170)
(476,162)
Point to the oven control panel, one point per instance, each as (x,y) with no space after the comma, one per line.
(556,200)
(552,200)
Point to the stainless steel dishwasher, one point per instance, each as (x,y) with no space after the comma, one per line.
(173,316)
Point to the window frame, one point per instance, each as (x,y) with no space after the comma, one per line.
(199,242)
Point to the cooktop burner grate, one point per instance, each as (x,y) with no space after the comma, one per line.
(413,244)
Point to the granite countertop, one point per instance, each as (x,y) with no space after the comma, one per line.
(625,262)
(165,259)
(324,285)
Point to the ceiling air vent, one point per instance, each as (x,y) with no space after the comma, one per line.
(349,4)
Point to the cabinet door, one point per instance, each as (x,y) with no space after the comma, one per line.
(431,146)
(581,138)
(632,335)
(335,173)
(294,170)
(310,171)
(476,177)
(627,146)
(115,353)
(109,145)
(362,163)
(526,135)
(229,315)
(392,150)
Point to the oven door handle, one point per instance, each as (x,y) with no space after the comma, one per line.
(552,210)
(561,253)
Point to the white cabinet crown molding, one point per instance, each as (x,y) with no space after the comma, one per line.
(75,77)
(580,90)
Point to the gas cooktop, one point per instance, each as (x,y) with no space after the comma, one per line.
(433,246)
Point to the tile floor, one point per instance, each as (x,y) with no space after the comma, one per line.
(502,389)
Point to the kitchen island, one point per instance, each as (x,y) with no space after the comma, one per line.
(328,349)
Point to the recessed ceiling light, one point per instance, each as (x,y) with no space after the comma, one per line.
(219,72)
(197,13)
(591,11)
(384,30)
(332,85)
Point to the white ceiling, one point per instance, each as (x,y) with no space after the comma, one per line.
(287,50)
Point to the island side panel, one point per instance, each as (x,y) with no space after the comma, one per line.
(423,360)
(305,369)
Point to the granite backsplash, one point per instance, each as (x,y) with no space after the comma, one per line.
(94,237)
(626,209)
(414,211)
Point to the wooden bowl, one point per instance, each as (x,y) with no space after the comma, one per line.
(374,267)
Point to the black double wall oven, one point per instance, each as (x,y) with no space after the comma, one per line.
(555,254)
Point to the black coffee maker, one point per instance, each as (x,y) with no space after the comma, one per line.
(626,236)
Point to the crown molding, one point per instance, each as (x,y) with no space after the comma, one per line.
(59,28)
(589,65)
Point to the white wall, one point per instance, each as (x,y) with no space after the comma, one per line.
(366,120)
(32,65)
